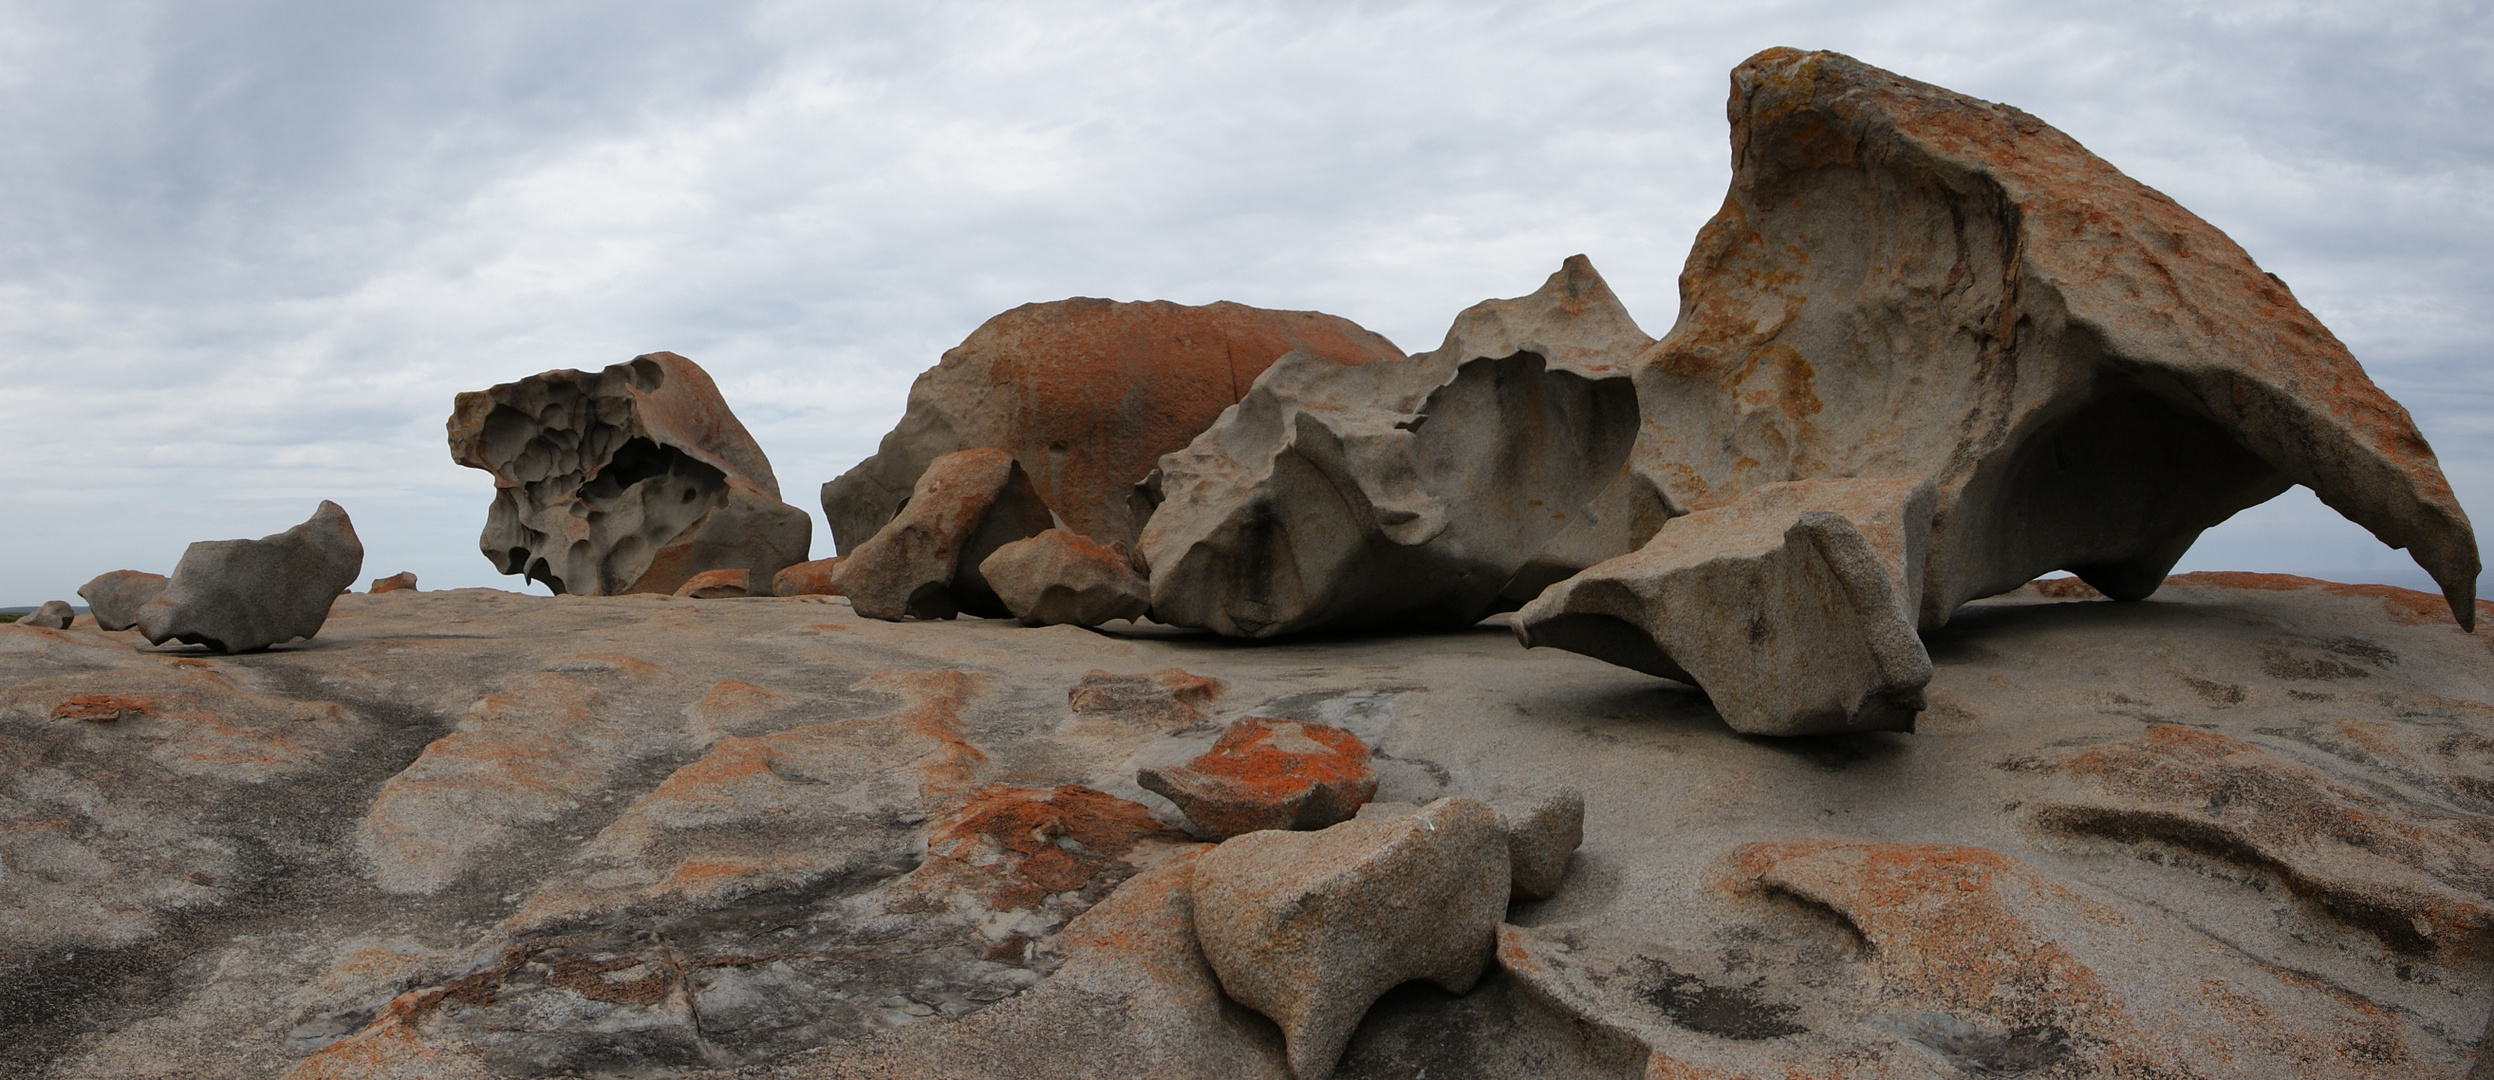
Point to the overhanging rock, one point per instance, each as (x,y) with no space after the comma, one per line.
(630,479)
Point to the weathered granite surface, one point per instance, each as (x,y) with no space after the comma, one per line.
(2241,829)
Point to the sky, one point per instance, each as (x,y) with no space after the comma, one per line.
(250,250)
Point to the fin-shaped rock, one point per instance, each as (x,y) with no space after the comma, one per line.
(924,564)
(1087,394)
(1791,607)
(630,479)
(243,595)
(1421,493)
(115,597)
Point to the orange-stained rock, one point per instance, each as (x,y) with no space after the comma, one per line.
(924,564)
(1910,284)
(102,708)
(1087,394)
(806,578)
(1028,849)
(403,581)
(629,479)
(1164,700)
(716,584)
(1269,774)
(1061,578)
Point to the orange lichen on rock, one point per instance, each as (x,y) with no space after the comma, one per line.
(1164,700)
(717,584)
(2408,606)
(1017,846)
(102,708)
(806,578)
(1265,773)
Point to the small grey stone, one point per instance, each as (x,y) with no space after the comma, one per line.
(55,614)
(115,598)
(1540,840)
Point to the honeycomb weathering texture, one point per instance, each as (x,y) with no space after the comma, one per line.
(630,479)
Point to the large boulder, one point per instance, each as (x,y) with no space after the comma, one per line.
(925,563)
(1310,928)
(1911,284)
(630,479)
(1087,394)
(115,597)
(243,595)
(1424,493)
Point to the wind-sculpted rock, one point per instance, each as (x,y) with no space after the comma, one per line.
(403,581)
(716,585)
(115,598)
(1789,606)
(1310,928)
(1424,493)
(243,595)
(53,615)
(1087,394)
(925,563)
(630,479)
(1269,774)
(1909,283)
(806,578)
(1058,578)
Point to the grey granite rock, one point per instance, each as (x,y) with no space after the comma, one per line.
(924,563)
(1540,840)
(244,595)
(115,597)
(1309,928)
(1061,578)
(52,615)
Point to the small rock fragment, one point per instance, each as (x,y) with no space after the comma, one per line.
(1310,928)
(1540,841)
(114,598)
(925,563)
(402,581)
(242,595)
(54,614)
(1058,577)
(715,584)
(806,578)
(1265,773)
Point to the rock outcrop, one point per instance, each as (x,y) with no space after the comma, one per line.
(806,578)
(1265,773)
(1540,840)
(716,584)
(1060,578)
(403,581)
(1311,928)
(1906,283)
(51,615)
(1419,494)
(115,597)
(245,595)
(925,563)
(1086,394)
(629,479)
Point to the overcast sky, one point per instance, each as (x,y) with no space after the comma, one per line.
(249,251)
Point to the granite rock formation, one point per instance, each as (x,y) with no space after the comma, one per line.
(403,581)
(2236,831)
(716,584)
(924,564)
(629,479)
(1310,928)
(1266,773)
(806,578)
(51,615)
(245,595)
(1419,494)
(1060,578)
(1540,840)
(1906,283)
(1086,394)
(115,597)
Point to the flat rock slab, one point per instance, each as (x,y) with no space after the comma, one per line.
(1267,773)
(2233,830)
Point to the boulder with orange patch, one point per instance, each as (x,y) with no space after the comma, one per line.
(1909,283)
(630,479)
(1058,578)
(924,564)
(1269,774)
(1087,394)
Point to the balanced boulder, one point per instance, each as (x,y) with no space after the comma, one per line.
(244,595)
(1310,928)
(1265,773)
(114,598)
(1910,285)
(1087,394)
(1424,493)
(53,615)
(924,564)
(630,479)
(1058,578)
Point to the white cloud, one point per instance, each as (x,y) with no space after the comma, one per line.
(253,249)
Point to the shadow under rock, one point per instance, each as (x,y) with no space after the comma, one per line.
(1499,1031)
